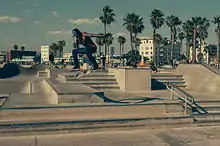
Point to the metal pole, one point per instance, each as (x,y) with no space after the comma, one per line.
(186,106)
(172,93)
(31,87)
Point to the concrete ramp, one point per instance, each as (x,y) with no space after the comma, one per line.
(200,78)
(12,70)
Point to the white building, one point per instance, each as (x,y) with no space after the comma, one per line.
(159,52)
(45,52)
(204,56)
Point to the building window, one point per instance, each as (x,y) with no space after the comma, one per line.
(146,53)
(151,48)
(151,52)
(147,48)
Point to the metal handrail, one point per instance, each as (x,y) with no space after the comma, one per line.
(216,71)
(186,98)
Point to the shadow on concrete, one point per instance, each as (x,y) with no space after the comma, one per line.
(128,100)
(11,70)
(156,85)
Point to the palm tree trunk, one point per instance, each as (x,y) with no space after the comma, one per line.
(194,47)
(105,40)
(218,42)
(135,43)
(131,39)
(200,51)
(154,47)
(172,46)
(120,52)
(187,49)
(100,48)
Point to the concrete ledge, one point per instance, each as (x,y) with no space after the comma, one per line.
(73,93)
(133,79)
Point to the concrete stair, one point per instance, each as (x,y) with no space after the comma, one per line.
(212,106)
(99,80)
(83,117)
(159,79)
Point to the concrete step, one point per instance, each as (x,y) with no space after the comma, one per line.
(91,79)
(98,83)
(95,124)
(173,82)
(166,75)
(104,87)
(98,75)
(168,78)
(180,85)
(211,117)
(208,102)
(94,82)
(210,108)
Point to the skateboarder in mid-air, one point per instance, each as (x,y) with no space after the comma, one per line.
(88,47)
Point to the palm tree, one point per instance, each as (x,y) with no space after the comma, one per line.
(181,37)
(109,41)
(196,22)
(53,49)
(202,34)
(156,20)
(216,21)
(22,49)
(100,43)
(134,24)
(138,28)
(188,32)
(212,51)
(15,47)
(61,45)
(173,22)
(107,18)
(129,22)
(121,41)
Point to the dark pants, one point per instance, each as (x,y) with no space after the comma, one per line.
(86,51)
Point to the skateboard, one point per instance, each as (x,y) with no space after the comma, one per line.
(79,73)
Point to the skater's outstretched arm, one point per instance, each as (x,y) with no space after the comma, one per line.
(93,35)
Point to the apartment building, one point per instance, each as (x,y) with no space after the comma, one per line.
(45,52)
(161,53)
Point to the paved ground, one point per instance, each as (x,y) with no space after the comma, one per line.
(164,137)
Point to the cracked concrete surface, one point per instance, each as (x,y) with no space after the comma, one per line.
(201,136)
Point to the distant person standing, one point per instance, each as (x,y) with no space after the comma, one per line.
(103,59)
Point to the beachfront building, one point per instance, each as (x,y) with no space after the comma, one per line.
(204,56)
(45,52)
(160,52)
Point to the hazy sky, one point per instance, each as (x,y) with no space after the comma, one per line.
(35,22)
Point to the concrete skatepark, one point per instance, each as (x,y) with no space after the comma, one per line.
(43,96)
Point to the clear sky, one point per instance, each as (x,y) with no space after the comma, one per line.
(35,22)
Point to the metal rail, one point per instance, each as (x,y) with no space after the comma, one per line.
(188,100)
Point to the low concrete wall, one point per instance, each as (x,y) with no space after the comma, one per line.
(133,79)
(53,99)
(58,96)
(14,87)
(199,78)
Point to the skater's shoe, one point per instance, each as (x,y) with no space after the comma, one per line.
(76,67)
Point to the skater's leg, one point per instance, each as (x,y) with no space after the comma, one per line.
(92,60)
(75,53)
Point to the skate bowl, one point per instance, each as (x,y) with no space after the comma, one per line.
(11,70)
